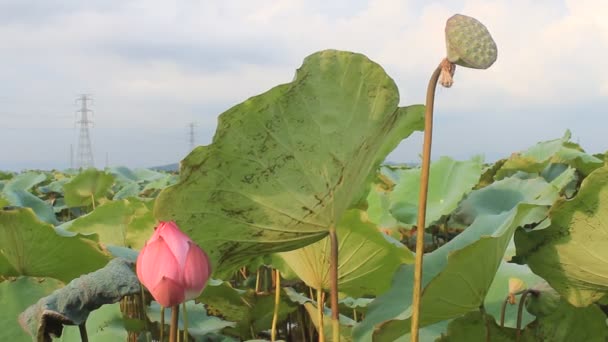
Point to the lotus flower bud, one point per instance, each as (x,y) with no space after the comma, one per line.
(516,286)
(172,267)
(469,43)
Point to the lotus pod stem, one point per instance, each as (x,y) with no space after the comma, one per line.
(469,44)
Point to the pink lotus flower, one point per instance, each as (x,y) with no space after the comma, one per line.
(172,267)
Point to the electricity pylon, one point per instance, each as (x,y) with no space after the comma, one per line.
(191,140)
(85,150)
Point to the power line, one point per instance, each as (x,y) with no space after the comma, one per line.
(85,149)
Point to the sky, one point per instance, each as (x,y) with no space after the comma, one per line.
(154,66)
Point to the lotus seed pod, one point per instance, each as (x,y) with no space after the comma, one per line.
(469,43)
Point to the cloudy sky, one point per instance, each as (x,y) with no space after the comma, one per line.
(154,66)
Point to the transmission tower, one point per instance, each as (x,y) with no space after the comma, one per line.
(71,156)
(85,150)
(191,140)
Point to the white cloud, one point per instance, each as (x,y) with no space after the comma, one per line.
(158,64)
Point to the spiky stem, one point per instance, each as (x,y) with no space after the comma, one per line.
(333,271)
(162,323)
(320,315)
(185,322)
(503,310)
(424,186)
(520,313)
(83,332)
(174,324)
(257,281)
(277,301)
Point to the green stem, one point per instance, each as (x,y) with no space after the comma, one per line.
(302,324)
(185,322)
(142,309)
(162,323)
(257,281)
(321,328)
(503,310)
(424,186)
(93,200)
(333,276)
(83,332)
(484,316)
(174,324)
(277,301)
(520,311)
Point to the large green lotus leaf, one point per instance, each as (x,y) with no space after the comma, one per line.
(564,324)
(59,205)
(539,156)
(126,223)
(378,208)
(161,183)
(568,323)
(355,303)
(251,311)
(366,259)
(89,185)
(474,326)
(16,296)
(105,324)
(285,165)
(147,175)
(391,174)
(458,275)
(449,181)
(411,118)
(571,253)
(504,195)
(126,190)
(25,181)
(346,323)
(55,186)
(22,198)
(427,333)
(122,174)
(31,247)
(488,173)
(223,300)
(5,175)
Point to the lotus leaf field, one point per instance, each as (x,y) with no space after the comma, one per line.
(284,168)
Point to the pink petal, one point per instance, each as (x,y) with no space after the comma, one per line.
(196,271)
(176,240)
(156,261)
(139,265)
(156,234)
(168,292)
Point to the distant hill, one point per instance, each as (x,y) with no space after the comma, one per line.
(175,166)
(167,168)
